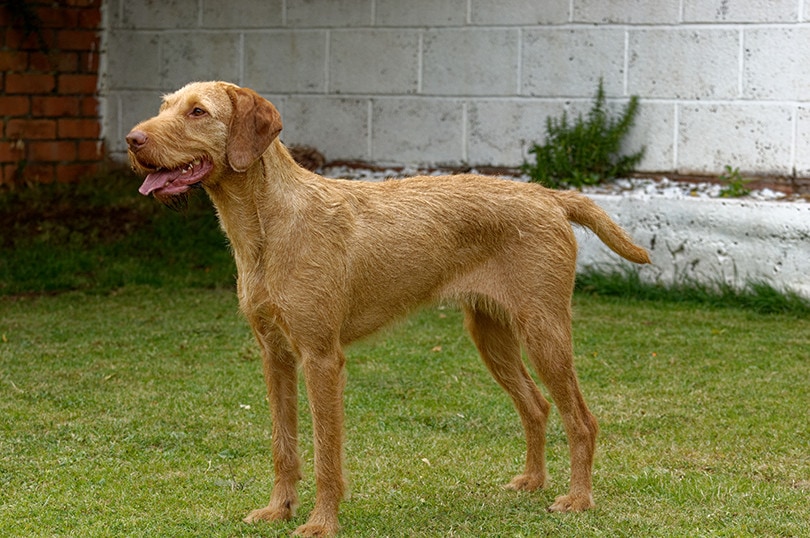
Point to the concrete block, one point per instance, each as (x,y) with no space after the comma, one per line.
(255,14)
(125,109)
(420,13)
(569,63)
(338,127)
(417,131)
(751,137)
(470,62)
(519,12)
(776,65)
(711,241)
(196,56)
(130,55)
(625,11)
(156,15)
(654,130)
(684,64)
(740,11)
(501,132)
(286,61)
(328,13)
(374,61)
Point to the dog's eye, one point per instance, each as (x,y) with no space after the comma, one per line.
(197,112)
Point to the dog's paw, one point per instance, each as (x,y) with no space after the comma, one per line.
(528,482)
(271,513)
(319,529)
(572,503)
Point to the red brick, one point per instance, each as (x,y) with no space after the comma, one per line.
(28,129)
(89,107)
(18,38)
(36,173)
(70,173)
(65,62)
(57,17)
(13,60)
(78,128)
(55,106)
(90,18)
(91,150)
(17,105)
(11,152)
(77,40)
(81,84)
(28,83)
(83,3)
(88,62)
(52,151)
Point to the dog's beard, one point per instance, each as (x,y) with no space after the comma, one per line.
(177,202)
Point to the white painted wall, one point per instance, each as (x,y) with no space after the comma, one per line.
(472,81)
(712,241)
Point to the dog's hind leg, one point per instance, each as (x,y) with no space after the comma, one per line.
(550,350)
(281,376)
(500,351)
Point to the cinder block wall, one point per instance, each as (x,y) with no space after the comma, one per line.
(472,81)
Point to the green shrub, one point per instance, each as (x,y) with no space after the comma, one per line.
(586,152)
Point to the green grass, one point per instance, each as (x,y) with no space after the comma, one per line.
(100,235)
(142,413)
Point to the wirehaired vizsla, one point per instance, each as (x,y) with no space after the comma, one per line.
(322,262)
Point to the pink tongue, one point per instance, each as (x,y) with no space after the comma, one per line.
(158,180)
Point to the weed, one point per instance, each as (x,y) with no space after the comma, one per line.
(586,152)
(735,183)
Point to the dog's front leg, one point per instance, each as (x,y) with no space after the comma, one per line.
(325,380)
(281,376)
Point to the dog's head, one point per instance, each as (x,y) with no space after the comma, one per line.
(202,130)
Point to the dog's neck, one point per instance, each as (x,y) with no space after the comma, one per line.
(269,183)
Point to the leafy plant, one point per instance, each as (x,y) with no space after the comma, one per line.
(735,183)
(587,151)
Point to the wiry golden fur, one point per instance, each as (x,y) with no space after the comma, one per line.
(323,262)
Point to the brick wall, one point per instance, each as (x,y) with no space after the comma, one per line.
(472,81)
(49,114)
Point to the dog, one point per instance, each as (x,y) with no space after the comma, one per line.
(323,262)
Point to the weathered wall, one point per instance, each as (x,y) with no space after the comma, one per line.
(472,81)
(712,241)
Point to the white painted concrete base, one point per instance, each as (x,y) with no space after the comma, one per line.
(709,241)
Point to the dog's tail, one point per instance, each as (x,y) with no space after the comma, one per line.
(582,210)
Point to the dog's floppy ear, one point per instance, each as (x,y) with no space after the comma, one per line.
(255,123)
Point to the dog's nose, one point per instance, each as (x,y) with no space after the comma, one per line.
(136,140)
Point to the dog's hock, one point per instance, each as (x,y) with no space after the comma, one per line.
(255,123)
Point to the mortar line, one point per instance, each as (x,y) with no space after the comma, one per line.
(327,61)
(369,127)
(794,139)
(675,130)
(519,62)
(741,64)
(464,144)
(420,66)
(626,74)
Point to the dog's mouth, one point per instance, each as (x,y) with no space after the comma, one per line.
(164,182)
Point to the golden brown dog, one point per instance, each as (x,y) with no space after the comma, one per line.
(323,262)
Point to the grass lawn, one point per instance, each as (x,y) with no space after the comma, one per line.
(142,413)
